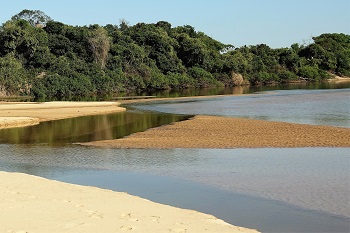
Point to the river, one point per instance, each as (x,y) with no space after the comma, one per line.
(273,190)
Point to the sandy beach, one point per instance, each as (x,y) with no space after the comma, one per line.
(224,132)
(33,204)
(23,114)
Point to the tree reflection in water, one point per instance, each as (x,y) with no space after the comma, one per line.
(87,128)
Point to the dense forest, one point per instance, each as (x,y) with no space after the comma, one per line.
(44,58)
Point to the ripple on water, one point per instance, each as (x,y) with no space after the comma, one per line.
(313,178)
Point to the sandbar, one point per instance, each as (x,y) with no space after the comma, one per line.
(9,122)
(19,114)
(338,79)
(224,132)
(34,204)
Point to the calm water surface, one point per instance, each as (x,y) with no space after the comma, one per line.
(87,128)
(318,107)
(273,190)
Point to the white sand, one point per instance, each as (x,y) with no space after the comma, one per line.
(32,204)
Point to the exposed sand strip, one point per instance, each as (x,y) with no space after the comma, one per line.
(223,132)
(338,79)
(9,122)
(33,204)
(50,111)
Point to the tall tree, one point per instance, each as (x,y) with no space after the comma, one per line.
(100,44)
(34,17)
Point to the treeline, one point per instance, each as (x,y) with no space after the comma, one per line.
(48,59)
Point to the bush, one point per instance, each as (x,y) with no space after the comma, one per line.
(12,76)
(157,81)
(58,87)
(202,77)
(180,81)
(312,73)
(286,76)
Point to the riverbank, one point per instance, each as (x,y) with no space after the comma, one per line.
(33,204)
(224,132)
(19,114)
(338,79)
(9,122)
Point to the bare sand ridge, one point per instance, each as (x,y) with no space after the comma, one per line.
(7,122)
(33,204)
(23,114)
(223,132)
(338,79)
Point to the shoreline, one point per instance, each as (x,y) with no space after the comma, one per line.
(51,206)
(44,205)
(11,122)
(18,114)
(338,79)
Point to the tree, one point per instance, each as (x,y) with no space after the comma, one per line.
(191,51)
(123,24)
(24,41)
(34,17)
(165,25)
(12,76)
(202,77)
(100,44)
(159,45)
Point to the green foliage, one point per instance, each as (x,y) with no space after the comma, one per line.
(330,52)
(54,86)
(286,76)
(13,78)
(60,61)
(180,81)
(312,73)
(203,78)
(34,17)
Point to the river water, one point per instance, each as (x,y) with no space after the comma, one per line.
(271,189)
(318,107)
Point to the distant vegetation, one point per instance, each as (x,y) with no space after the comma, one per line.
(48,59)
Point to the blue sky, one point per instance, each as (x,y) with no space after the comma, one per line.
(277,23)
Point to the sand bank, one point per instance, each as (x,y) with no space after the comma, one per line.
(33,204)
(338,79)
(223,132)
(23,114)
(9,122)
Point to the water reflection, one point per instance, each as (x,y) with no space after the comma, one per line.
(87,128)
(239,90)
